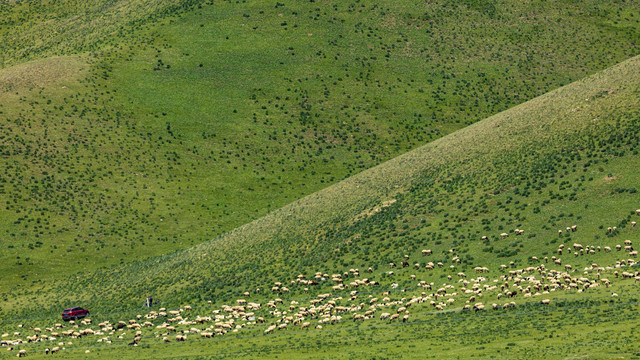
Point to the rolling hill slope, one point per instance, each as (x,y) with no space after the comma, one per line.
(567,158)
(152,126)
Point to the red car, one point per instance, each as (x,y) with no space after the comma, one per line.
(74,313)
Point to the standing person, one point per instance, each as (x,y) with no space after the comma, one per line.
(150,301)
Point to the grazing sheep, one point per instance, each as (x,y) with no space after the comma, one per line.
(633,224)
(426,252)
(574,228)
(545,302)
(559,232)
(503,235)
(618,247)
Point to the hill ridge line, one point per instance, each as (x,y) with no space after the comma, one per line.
(442,145)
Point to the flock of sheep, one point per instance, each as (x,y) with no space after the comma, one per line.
(352,297)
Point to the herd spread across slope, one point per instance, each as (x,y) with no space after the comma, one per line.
(313,302)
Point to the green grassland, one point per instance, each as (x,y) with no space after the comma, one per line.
(200,151)
(139,128)
(566,158)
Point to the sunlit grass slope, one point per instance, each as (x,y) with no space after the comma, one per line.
(567,157)
(134,128)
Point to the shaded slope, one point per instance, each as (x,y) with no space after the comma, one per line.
(563,158)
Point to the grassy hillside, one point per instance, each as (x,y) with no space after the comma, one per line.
(32,30)
(138,128)
(563,159)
